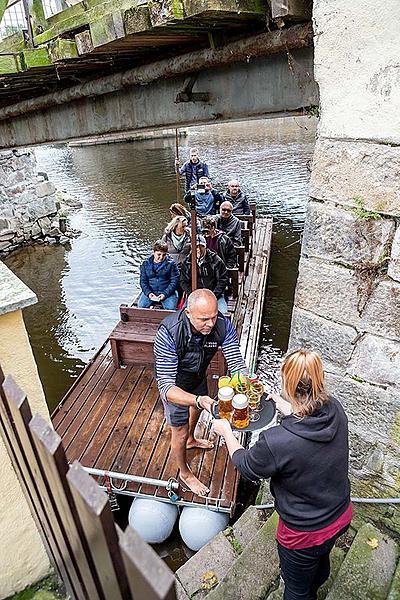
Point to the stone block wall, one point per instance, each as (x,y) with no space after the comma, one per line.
(347,303)
(27,201)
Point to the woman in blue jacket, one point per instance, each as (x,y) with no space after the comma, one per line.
(159,278)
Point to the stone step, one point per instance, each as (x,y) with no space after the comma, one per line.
(394,593)
(366,572)
(248,525)
(255,570)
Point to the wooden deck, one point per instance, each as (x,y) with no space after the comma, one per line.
(112,419)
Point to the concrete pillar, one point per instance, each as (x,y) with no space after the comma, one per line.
(23,559)
(347,304)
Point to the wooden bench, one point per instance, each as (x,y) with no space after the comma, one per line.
(132,340)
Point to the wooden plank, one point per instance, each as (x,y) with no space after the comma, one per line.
(107,456)
(28,484)
(49,449)
(132,313)
(53,526)
(93,424)
(73,394)
(101,436)
(148,576)
(79,410)
(98,526)
(155,466)
(97,403)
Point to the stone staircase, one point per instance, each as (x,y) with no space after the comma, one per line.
(241,563)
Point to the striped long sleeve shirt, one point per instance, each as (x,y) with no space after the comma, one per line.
(166,358)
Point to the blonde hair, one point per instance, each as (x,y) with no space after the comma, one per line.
(303,382)
(172,225)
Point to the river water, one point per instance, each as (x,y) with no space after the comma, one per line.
(126,190)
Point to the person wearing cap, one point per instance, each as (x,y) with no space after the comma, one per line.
(211,273)
(207,199)
(229,224)
(193,169)
(238,199)
(219,242)
(184,346)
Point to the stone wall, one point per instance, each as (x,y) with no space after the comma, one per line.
(27,201)
(347,304)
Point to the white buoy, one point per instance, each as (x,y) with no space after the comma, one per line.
(153,520)
(198,526)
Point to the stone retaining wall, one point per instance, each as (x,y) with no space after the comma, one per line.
(27,201)
(347,304)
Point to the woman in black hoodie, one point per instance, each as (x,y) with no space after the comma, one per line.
(306,457)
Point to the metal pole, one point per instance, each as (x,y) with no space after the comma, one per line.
(28,22)
(134,478)
(194,236)
(178,187)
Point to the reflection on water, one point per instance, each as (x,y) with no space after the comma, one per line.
(126,190)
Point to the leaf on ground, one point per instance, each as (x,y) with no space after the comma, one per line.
(373,542)
(209,580)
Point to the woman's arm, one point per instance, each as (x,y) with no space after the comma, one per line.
(222,427)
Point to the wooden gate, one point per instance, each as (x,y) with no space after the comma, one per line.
(89,552)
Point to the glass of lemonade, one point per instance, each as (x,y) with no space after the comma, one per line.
(223,381)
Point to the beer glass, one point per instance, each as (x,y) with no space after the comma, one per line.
(240,415)
(254,405)
(225,395)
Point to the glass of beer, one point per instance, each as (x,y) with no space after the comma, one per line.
(225,396)
(258,388)
(240,415)
(254,405)
(242,385)
(223,381)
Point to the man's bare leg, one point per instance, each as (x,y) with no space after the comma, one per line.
(193,442)
(179,438)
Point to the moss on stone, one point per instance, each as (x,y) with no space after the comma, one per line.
(13,43)
(35,57)
(61,49)
(9,63)
(47,589)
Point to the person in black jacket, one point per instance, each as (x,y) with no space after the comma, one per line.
(219,242)
(237,198)
(229,224)
(306,457)
(211,273)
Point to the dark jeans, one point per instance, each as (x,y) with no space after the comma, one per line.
(304,571)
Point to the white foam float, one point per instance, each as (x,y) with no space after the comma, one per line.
(198,526)
(153,520)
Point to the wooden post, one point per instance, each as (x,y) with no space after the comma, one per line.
(98,526)
(194,240)
(178,187)
(148,575)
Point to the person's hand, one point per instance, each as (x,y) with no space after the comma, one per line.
(193,186)
(206,402)
(161,297)
(153,297)
(282,405)
(222,427)
(177,162)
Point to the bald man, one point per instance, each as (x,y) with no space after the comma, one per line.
(184,346)
(237,198)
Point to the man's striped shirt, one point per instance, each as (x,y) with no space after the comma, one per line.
(166,363)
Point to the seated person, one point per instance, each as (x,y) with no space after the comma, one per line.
(193,169)
(219,242)
(207,199)
(237,198)
(177,237)
(211,273)
(229,224)
(159,279)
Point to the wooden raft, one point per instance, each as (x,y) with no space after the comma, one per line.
(112,418)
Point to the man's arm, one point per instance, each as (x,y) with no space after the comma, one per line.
(174,280)
(246,205)
(231,254)
(144,281)
(183,168)
(166,369)
(231,350)
(206,171)
(186,276)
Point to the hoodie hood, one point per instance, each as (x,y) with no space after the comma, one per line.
(321,426)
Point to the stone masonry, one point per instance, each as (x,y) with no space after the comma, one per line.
(347,304)
(27,201)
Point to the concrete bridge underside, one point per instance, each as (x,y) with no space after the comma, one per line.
(266,86)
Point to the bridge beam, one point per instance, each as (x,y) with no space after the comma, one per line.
(266,84)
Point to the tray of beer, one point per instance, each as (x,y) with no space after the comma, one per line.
(267,412)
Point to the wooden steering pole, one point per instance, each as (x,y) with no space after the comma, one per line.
(178,187)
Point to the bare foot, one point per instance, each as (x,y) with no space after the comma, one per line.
(193,484)
(199,443)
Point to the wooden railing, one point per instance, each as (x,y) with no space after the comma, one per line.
(92,556)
